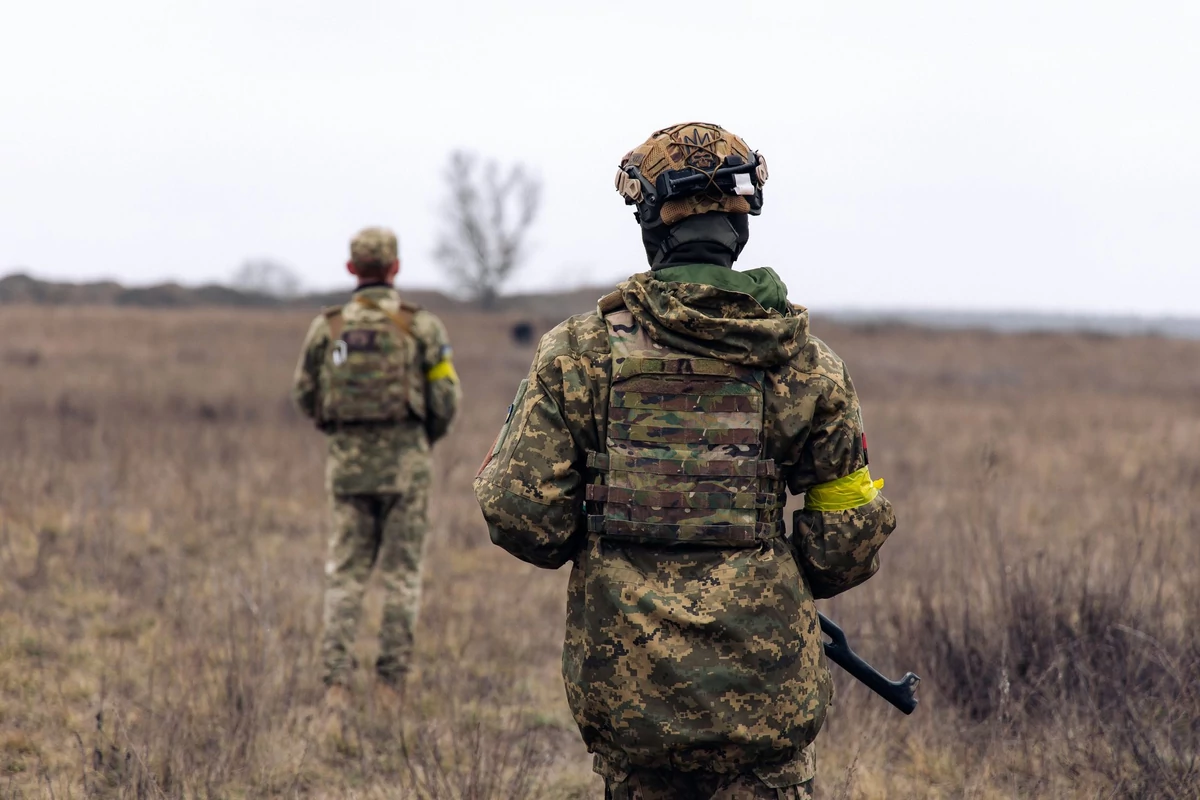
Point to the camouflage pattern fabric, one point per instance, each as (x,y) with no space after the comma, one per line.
(373,247)
(700,146)
(375,531)
(644,692)
(682,460)
(378,474)
(368,374)
(367,458)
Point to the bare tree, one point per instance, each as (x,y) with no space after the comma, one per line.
(265,276)
(487,218)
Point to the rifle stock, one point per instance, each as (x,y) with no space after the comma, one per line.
(901,693)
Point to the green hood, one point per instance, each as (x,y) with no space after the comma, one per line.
(709,310)
(763,284)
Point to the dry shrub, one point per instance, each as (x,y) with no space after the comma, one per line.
(1061,654)
(477,752)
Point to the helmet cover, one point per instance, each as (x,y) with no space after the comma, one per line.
(691,168)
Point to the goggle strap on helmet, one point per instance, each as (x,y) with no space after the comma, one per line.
(731,178)
(740,179)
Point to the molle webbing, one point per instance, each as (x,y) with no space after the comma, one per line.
(684,444)
(664,435)
(604,462)
(663,532)
(666,499)
(685,402)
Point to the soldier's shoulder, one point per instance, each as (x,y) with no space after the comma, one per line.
(426,325)
(817,361)
(575,337)
(322,322)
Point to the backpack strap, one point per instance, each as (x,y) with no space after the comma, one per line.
(402,319)
(333,316)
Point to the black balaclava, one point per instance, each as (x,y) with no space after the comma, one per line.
(713,238)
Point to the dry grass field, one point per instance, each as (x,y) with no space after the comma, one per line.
(162,533)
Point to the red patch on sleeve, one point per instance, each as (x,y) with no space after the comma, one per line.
(491,451)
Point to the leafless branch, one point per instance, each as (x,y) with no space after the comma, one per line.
(487,217)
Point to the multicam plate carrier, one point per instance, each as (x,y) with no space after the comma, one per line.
(364,377)
(683,461)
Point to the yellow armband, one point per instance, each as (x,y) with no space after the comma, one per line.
(442,369)
(854,490)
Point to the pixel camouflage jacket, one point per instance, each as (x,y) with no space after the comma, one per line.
(690,703)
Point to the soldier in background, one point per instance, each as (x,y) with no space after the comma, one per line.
(376,377)
(653,444)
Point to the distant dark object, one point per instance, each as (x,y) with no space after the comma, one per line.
(522,333)
(23,358)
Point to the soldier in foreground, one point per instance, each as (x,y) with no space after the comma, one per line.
(653,444)
(376,377)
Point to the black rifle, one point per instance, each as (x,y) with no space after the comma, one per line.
(902,693)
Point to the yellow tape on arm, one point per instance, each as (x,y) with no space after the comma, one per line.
(443,369)
(854,490)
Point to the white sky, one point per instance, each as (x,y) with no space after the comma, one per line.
(1015,155)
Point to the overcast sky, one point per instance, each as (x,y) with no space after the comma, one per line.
(1015,155)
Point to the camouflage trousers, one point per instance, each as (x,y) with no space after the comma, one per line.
(387,532)
(667,785)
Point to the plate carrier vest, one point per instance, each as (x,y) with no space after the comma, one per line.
(684,445)
(365,374)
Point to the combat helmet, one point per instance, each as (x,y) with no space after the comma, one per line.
(691,168)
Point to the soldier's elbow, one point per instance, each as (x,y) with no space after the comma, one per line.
(826,584)
(839,550)
(531,547)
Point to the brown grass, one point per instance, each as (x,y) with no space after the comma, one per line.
(162,527)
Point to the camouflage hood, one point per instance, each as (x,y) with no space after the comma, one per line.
(726,321)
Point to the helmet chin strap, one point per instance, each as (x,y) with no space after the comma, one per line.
(713,238)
